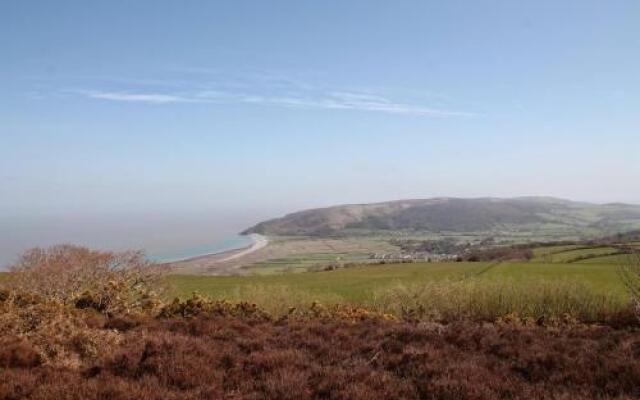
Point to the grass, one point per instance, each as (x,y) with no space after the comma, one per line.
(319,254)
(300,254)
(301,262)
(433,291)
(581,254)
(355,284)
(587,288)
(616,259)
(358,284)
(544,253)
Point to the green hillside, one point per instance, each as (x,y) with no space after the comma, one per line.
(533,217)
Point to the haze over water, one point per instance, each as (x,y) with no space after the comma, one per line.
(162,237)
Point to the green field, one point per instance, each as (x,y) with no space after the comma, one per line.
(617,259)
(543,253)
(578,254)
(303,254)
(302,262)
(361,282)
(587,290)
(595,268)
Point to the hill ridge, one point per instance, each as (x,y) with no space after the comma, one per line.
(456,214)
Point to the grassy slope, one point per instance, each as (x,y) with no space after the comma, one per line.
(554,218)
(360,283)
(351,283)
(299,254)
(543,253)
(576,255)
(618,259)
(551,264)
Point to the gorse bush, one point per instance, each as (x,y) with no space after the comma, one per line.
(56,334)
(57,300)
(199,305)
(279,300)
(107,282)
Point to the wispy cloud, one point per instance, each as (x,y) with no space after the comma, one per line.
(266,90)
(153,98)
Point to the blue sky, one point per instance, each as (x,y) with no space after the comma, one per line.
(259,108)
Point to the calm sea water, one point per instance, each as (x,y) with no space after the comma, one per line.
(163,236)
(218,246)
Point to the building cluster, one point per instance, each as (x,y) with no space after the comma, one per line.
(415,256)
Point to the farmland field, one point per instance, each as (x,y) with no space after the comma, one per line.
(617,259)
(359,283)
(301,262)
(594,266)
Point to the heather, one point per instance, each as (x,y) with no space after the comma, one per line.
(252,357)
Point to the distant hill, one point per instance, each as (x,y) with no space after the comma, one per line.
(457,215)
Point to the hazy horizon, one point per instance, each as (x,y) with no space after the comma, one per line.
(154,233)
(159,123)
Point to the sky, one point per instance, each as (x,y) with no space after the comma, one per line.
(152,122)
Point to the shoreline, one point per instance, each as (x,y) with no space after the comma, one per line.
(259,242)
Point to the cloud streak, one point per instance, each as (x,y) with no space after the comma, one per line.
(284,93)
(152,98)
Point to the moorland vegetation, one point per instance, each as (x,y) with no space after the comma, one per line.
(83,324)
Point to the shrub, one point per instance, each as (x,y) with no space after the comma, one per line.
(278,300)
(18,353)
(56,301)
(199,305)
(110,283)
(58,334)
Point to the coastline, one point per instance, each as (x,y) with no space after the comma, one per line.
(259,242)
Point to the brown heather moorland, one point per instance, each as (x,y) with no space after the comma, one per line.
(253,357)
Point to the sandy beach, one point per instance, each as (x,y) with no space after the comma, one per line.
(219,263)
(234,262)
(259,242)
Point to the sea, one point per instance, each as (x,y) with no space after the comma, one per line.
(163,237)
(233,242)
